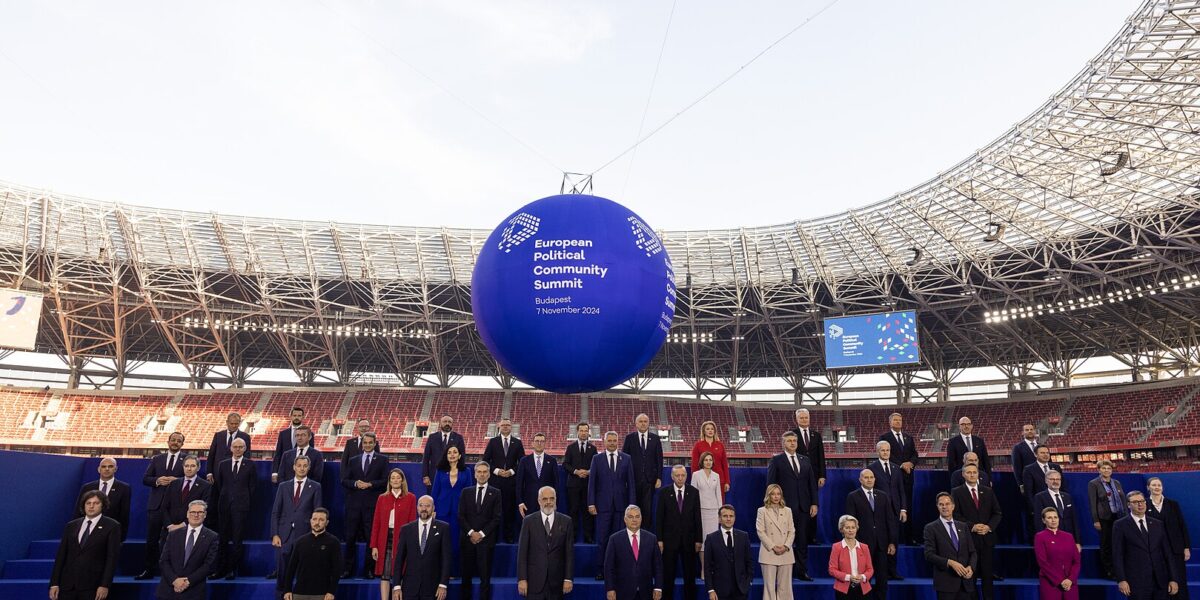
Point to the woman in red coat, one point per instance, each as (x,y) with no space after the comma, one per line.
(1058,560)
(709,442)
(851,579)
(393,509)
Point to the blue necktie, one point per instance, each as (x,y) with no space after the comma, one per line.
(424,536)
(871,499)
(953,534)
(191,543)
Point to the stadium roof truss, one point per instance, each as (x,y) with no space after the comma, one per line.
(1093,194)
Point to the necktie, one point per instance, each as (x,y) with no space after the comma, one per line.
(975,497)
(104,488)
(1142,526)
(236,464)
(679,500)
(445,440)
(643,442)
(302,451)
(1045,469)
(87,530)
(538,461)
(635,547)
(805,433)
(729,539)
(506,446)
(191,543)
(953,534)
(229,441)
(612,462)
(170,462)
(871,499)
(968,440)
(900,438)
(187,485)
(296,495)
(479,498)
(547,526)
(1058,503)
(887,468)
(366,462)
(424,536)
(795,465)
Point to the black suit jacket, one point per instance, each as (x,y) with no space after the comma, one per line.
(902,453)
(435,450)
(219,451)
(91,565)
(957,448)
(1143,561)
(939,549)
(354,448)
(679,529)
(631,578)
(316,464)
(876,528)
(1067,521)
(376,475)
(728,574)
(573,460)
(475,517)
(815,451)
(1034,480)
(494,455)
(175,503)
(196,568)
(283,443)
(417,574)
(957,479)
(158,468)
(1022,457)
(235,492)
(528,482)
(1172,517)
(647,465)
(988,512)
(545,561)
(892,485)
(799,489)
(119,494)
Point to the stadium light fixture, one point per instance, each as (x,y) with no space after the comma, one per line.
(1090,301)
(298,329)
(688,338)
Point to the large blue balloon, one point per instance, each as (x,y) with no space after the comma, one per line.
(573,293)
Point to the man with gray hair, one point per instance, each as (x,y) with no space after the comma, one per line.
(182,577)
(810,444)
(970,458)
(611,488)
(888,479)
(633,562)
(644,447)
(678,517)
(546,551)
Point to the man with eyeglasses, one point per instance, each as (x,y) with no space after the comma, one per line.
(182,577)
(1141,553)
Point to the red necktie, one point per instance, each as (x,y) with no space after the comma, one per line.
(975,496)
(635,547)
(296,496)
(187,485)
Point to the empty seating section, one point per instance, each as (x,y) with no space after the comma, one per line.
(473,412)
(202,414)
(1187,428)
(319,407)
(688,416)
(15,406)
(552,414)
(1105,419)
(616,413)
(106,420)
(389,411)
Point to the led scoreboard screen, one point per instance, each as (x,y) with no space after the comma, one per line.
(871,340)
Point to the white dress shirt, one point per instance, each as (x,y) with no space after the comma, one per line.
(853,552)
(84,527)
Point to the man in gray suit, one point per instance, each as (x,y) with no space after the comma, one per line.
(1106,498)
(295,500)
(546,551)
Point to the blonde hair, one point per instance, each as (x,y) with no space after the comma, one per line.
(767,495)
(714,424)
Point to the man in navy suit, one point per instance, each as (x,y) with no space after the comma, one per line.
(87,555)
(1024,453)
(436,444)
(904,452)
(645,448)
(478,516)
(889,480)
(286,441)
(291,512)
(117,493)
(965,442)
(236,478)
(977,506)
(678,516)
(792,472)
(970,458)
(877,527)
(534,472)
(162,470)
(184,491)
(354,445)
(219,449)
(728,564)
(950,550)
(1142,554)
(1054,496)
(189,557)
(303,448)
(421,570)
(364,478)
(503,453)
(632,561)
(610,489)
(1034,477)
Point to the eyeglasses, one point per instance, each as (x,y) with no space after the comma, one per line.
(195,512)
(1137,501)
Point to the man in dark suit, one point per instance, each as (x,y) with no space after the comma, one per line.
(162,470)
(951,552)
(792,472)
(610,489)
(295,499)
(236,478)
(421,570)
(1033,478)
(184,491)
(479,508)
(889,480)
(632,561)
(728,564)
(1024,453)
(546,551)
(285,441)
(977,506)
(436,444)
(877,526)
(965,442)
(534,472)
(354,445)
(303,448)
(1142,554)
(809,443)
(970,458)
(220,447)
(87,554)
(503,453)
(364,478)
(117,493)
(678,516)
(1106,499)
(645,448)
(1054,496)
(904,452)
(189,557)
(577,460)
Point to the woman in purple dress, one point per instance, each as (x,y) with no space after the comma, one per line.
(1058,560)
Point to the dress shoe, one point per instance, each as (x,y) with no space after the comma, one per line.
(273,575)
(804,577)
(216,576)
(144,575)
(599,578)
(347,575)
(895,578)
(230,576)
(997,578)
(368,576)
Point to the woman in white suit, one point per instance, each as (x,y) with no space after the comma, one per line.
(776,532)
(708,482)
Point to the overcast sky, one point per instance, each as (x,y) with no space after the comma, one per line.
(396,112)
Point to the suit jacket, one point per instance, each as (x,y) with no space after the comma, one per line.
(799,488)
(1022,457)
(815,451)
(892,485)
(316,464)
(473,516)
(988,512)
(939,549)
(119,494)
(608,490)
(957,479)
(218,450)
(546,561)
(235,491)
(354,448)
(175,503)
(839,566)
(648,464)
(158,468)
(494,455)
(684,526)
(419,574)
(1033,479)
(196,568)
(957,448)
(435,449)
(290,520)
(1098,499)
(902,453)
(728,573)
(573,460)
(283,443)
(775,528)
(91,565)
(529,482)
(876,528)
(1172,517)
(1066,518)
(376,475)
(631,578)
(1143,561)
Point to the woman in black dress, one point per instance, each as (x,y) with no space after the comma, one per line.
(1167,510)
